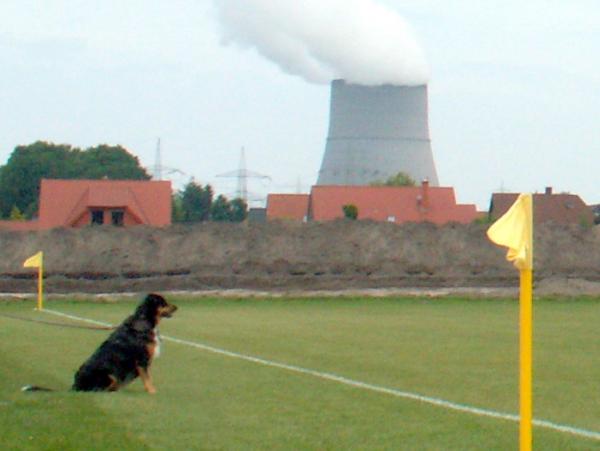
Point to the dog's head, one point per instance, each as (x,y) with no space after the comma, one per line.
(156,307)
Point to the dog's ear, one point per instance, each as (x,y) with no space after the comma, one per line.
(155,299)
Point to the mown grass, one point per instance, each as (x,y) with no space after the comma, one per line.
(461,350)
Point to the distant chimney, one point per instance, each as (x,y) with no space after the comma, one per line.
(548,190)
(425,194)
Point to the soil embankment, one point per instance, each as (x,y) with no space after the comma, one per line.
(340,255)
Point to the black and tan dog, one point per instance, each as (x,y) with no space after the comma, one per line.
(127,353)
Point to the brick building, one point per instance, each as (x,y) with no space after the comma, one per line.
(78,203)
(379,203)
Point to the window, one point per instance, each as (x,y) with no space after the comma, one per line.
(97,217)
(117,217)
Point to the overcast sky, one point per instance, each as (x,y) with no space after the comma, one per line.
(514,91)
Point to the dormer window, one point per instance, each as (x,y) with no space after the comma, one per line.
(97,217)
(117,217)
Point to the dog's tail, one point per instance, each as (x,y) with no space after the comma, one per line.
(27,388)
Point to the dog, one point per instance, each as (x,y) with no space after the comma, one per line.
(127,353)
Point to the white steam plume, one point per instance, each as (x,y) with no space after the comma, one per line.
(360,41)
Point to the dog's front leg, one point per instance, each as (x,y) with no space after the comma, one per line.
(114,384)
(146,379)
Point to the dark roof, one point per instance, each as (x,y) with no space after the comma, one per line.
(561,208)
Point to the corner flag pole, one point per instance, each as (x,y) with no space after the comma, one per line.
(526,341)
(37,261)
(515,231)
(525,360)
(40,302)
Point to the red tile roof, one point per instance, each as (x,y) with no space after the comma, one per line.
(394,204)
(379,203)
(287,206)
(67,203)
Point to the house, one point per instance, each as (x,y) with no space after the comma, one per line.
(287,206)
(257,215)
(78,203)
(379,203)
(560,208)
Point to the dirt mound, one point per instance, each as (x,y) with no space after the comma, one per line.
(337,255)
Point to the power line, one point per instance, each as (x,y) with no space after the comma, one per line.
(242,174)
(159,170)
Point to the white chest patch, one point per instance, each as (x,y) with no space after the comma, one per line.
(156,343)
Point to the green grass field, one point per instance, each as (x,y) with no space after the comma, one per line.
(460,350)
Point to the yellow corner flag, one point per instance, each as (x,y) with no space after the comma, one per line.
(37,261)
(515,231)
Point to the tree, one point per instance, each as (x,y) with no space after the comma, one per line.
(27,165)
(239,210)
(177,214)
(16,215)
(221,209)
(113,162)
(399,179)
(196,202)
(350,211)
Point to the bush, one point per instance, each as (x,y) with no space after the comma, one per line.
(350,211)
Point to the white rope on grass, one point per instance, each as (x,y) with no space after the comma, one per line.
(593,435)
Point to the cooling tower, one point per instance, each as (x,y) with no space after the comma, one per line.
(376,132)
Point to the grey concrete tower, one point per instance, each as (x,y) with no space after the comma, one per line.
(376,132)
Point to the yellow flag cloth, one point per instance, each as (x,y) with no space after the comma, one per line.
(35,261)
(514,230)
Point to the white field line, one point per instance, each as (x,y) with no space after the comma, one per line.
(363,385)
